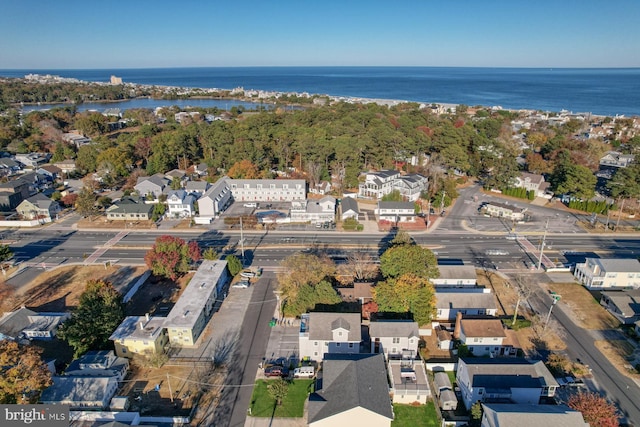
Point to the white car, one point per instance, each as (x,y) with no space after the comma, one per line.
(250,205)
(248,274)
(243,284)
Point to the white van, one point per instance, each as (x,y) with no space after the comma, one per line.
(304,372)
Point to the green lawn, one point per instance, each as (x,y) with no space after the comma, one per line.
(262,404)
(415,416)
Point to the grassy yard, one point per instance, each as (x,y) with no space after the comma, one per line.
(586,308)
(262,404)
(415,416)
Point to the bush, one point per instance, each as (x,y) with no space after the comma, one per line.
(234,265)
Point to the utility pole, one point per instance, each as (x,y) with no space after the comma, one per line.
(442,202)
(555,298)
(169,383)
(544,236)
(241,241)
(620,214)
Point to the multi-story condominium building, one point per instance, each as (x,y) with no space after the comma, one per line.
(265,190)
(379,184)
(608,273)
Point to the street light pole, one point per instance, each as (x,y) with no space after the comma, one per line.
(544,236)
(555,298)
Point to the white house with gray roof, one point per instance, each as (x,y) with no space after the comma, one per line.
(514,379)
(180,204)
(394,338)
(30,324)
(268,190)
(314,210)
(81,393)
(378,184)
(608,273)
(456,276)
(322,333)
(191,313)
(152,186)
(396,211)
(523,415)
(449,303)
(353,391)
(623,305)
(215,200)
(349,208)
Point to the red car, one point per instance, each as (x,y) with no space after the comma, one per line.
(276,371)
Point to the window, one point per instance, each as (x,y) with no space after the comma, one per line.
(315,343)
(337,344)
(350,345)
(315,353)
(339,333)
(396,340)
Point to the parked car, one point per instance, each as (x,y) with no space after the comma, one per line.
(247,274)
(304,372)
(243,284)
(276,371)
(251,205)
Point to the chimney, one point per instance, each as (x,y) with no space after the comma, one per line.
(456,329)
(146,316)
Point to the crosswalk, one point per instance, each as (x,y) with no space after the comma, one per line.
(101,251)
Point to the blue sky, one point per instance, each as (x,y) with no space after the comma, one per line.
(494,33)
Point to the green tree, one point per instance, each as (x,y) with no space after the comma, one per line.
(303,269)
(626,182)
(575,180)
(394,196)
(97,315)
(171,256)
(234,265)
(278,389)
(403,259)
(407,294)
(476,414)
(85,203)
(210,254)
(23,373)
(5,254)
(308,297)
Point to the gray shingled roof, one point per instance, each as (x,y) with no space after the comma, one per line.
(618,265)
(321,325)
(464,300)
(522,415)
(393,328)
(349,204)
(350,381)
(506,373)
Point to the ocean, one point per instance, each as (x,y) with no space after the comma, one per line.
(601,91)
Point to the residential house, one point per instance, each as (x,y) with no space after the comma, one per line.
(37,182)
(411,186)
(215,200)
(322,333)
(455,276)
(103,363)
(9,167)
(80,393)
(66,166)
(359,291)
(524,415)
(349,208)
(193,310)
(395,339)
(25,323)
(140,335)
(180,204)
(130,209)
(532,182)
(322,188)
(39,207)
(408,380)
(197,188)
(267,190)
(485,337)
(624,305)
(608,273)
(353,390)
(51,172)
(152,186)
(513,379)
(33,160)
(177,174)
(315,211)
(378,184)
(449,303)
(12,193)
(201,169)
(76,139)
(504,210)
(616,159)
(396,211)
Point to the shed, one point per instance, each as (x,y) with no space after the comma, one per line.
(442,382)
(448,400)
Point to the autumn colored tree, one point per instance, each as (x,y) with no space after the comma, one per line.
(368,309)
(23,373)
(403,259)
(406,294)
(596,410)
(85,202)
(171,256)
(303,269)
(243,169)
(97,315)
